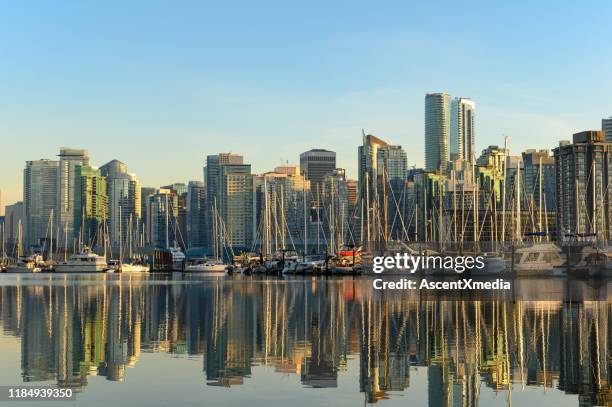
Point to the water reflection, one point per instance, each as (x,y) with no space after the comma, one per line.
(73,329)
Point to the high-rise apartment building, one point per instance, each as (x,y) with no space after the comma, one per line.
(315,164)
(196,201)
(583,168)
(124,202)
(180,188)
(70,158)
(282,210)
(40,181)
(89,204)
(235,206)
(13,222)
(382,176)
(437,131)
(145,193)
(462,129)
(606,127)
(162,213)
(212,172)
(336,210)
(539,165)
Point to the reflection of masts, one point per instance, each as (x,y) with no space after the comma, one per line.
(519,319)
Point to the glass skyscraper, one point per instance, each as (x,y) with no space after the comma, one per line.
(582,179)
(124,201)
(462,129)
(437,131)
(89,204)
(606,127)
(39,199)
(315,164)
(69,159)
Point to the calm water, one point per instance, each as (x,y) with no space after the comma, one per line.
(141,341)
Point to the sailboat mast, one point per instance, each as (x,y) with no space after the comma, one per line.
(305,219)
(166,225)
(505,167)
(51,244)
(540,196)
(367,193)
(121,237)
(518,201)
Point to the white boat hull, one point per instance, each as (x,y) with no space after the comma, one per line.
(22,269)
(135,268)
(206,268)
(79,268)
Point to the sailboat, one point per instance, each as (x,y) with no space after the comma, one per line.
(206,265)
(131,265)
(25,264)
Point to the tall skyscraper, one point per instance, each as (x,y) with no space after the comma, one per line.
(89,204)
(181,191)
(235,205)
(196,201)
(13,220)
(462,129)
(212,172)
(40,181)
(336,204)
(70,158)
(162,212)
(606,127)
(539,165)
(382,176)
(437,131)
(583,169)
(145,192)
(283,205)
(1,206)
(124,202)
(315,164)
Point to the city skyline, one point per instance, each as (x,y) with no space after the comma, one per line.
(172,84)
(350,174)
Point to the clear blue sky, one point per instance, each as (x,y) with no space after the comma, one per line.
(159,85)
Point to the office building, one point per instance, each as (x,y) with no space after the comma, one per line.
(315,164)
(582,179)
(236,206)
(70,158)
(124,202)
(40,181)
(462,129)
(493,157)
(437,131)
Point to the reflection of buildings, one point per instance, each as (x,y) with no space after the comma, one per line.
(311,328)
